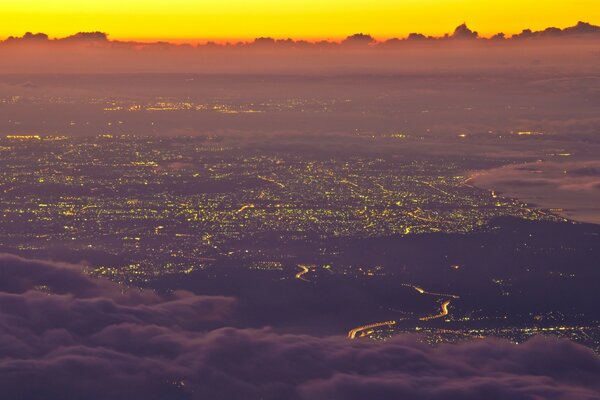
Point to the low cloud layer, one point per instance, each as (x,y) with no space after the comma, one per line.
(65,335)
(570,186)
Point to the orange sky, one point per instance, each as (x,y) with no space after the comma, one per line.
(197,20)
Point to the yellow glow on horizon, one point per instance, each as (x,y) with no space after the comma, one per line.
(193,20)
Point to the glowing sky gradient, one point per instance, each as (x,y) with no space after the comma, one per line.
(193,20)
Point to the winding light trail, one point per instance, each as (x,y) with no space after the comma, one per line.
(443,308)
(304,270)
(443,312)
(352,334)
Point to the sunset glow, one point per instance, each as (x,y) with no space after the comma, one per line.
(189,20)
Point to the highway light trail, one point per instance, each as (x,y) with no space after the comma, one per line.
(418,289)
(423,291)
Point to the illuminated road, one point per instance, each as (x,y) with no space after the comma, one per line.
(437,188)
(443,312)
(352,334)
(347,182)
(443,191)
(304,270)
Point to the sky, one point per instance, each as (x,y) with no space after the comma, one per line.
(220,20)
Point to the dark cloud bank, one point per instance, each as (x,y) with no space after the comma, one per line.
(64,335)
(464,48)
(462,32)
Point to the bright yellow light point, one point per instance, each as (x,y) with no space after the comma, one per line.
(184,20)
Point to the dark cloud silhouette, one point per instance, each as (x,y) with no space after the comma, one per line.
(96,52)
(358,39)
(416,36)
(66,335)
(87,37)
(463,32)
(28,36)
(264,41)
(80,37)
(581,29)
